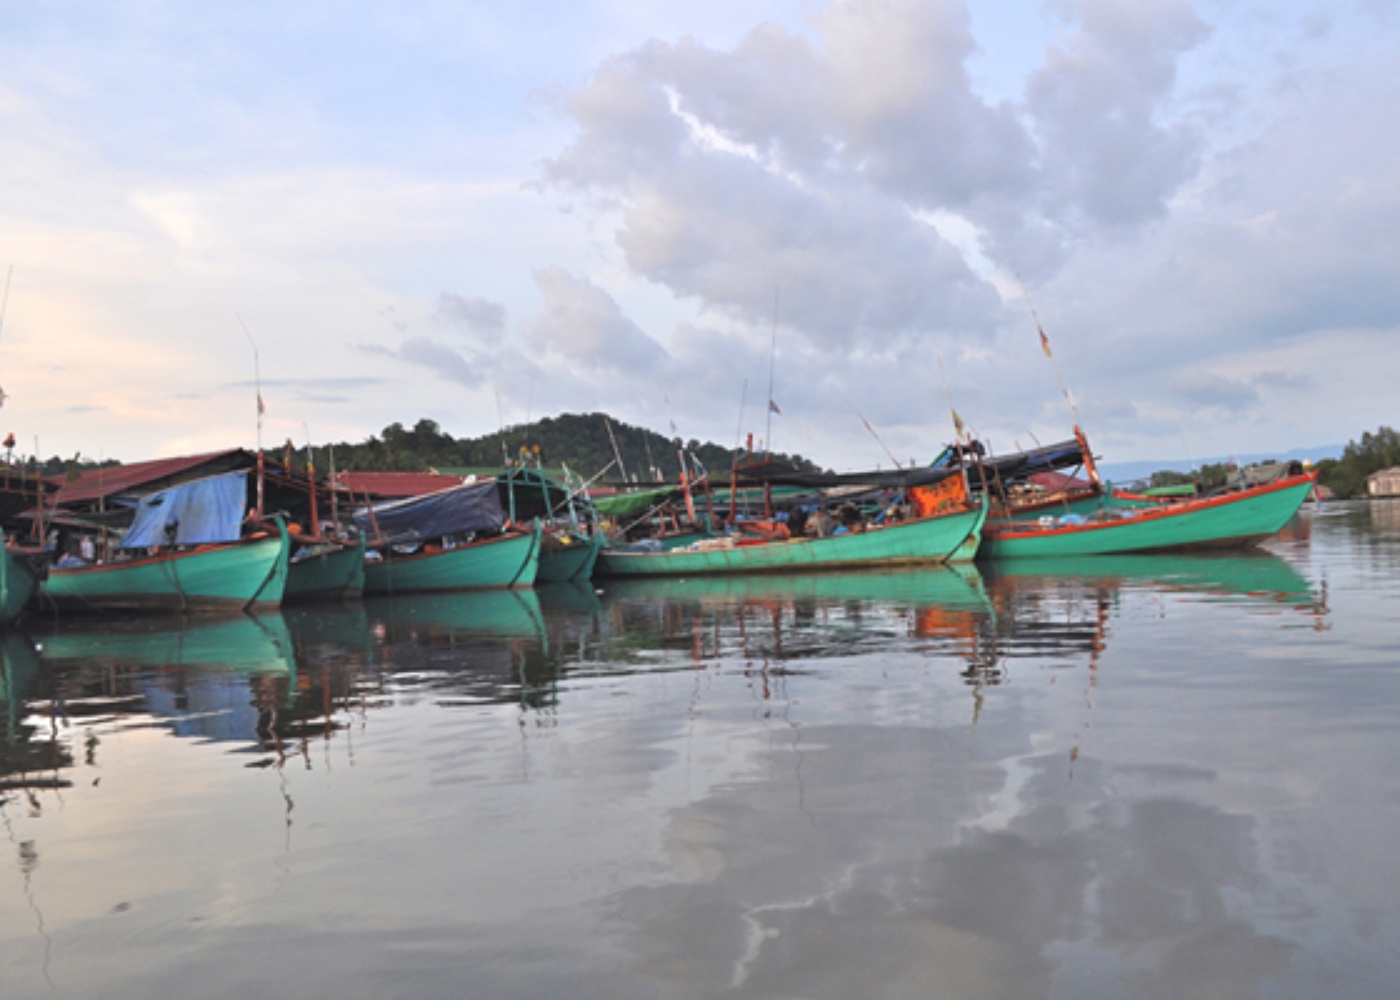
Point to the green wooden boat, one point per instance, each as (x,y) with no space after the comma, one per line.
(569,556)
(1233,519)
(326,570)
(510,559)
(18,583)
(572,537)
(937,539)
(223,576)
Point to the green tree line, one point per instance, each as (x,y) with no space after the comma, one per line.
(1346,476)
(589,444)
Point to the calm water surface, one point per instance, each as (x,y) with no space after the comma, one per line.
(1139,777)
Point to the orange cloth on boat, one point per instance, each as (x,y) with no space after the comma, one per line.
(929,500)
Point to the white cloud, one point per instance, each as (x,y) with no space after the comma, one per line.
(1200,197)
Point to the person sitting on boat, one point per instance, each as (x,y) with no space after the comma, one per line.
(821,524)
(87,549)
(851,518)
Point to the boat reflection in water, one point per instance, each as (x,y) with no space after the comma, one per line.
(276,682)
(231,679)
(937,610)
(1059,609)
(221,679)
(1256,578)
(27,760)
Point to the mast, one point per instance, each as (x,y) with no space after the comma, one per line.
(335,507)
(772,358)
(311,485)
(257,382)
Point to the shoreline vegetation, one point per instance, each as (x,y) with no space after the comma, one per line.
(588,443)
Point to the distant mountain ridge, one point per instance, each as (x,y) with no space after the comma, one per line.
(1127,472)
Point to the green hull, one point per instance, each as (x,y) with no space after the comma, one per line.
(571,562)
(18,584)
(235,576)
(496,563)
(1229,520)
(931,540)
(334,572)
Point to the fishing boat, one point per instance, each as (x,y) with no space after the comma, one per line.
(18,582)
(453,539)
(186,550)
(1232,518)
(325,569)
(922,516)
(570,537)
(569,556)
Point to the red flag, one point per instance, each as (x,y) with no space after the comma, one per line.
(773,408)
(1044,342)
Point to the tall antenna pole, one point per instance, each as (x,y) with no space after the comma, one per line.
(501,420)
(616,454)
(311,481)
(772,357)
(958,427)
(739,430)
(853,406)
(257,382)
(4,305)
(1045,346)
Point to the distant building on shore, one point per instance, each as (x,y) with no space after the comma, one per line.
(1385,483)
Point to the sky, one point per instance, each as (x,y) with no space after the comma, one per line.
(864,211)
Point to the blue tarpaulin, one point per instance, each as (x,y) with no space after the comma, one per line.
(195,513)
(473,507)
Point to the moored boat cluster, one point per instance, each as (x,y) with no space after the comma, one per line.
(232,531)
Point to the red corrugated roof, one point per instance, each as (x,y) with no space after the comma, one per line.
(94,484)
(393,485)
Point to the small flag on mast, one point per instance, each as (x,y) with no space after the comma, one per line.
(958,424)
(1044,342)
(773,408)
(261,409)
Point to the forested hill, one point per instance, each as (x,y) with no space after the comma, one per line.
(583,442)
